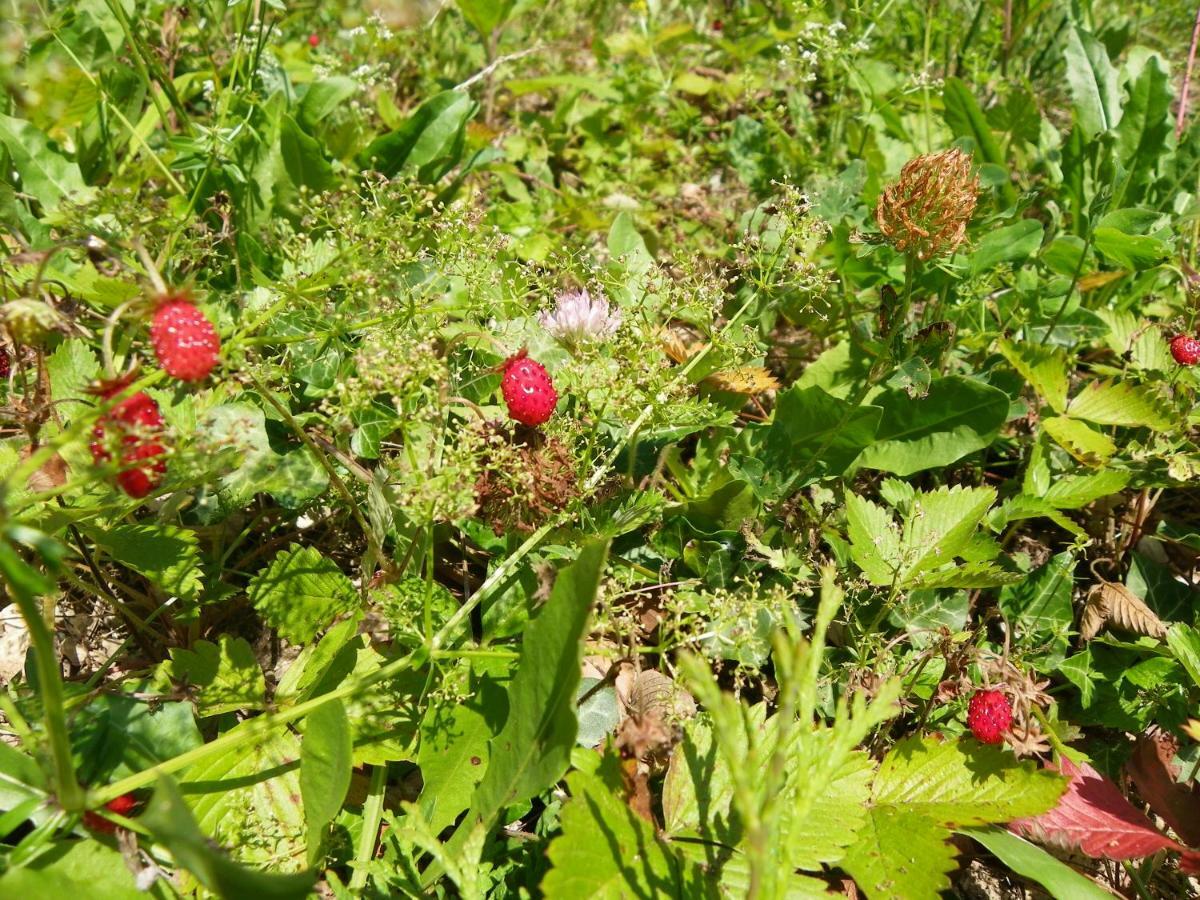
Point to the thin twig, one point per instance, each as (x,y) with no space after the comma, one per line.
(1187,77)
(494,65)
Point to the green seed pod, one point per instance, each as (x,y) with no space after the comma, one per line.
(30,321)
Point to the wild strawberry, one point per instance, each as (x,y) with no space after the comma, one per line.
(136,424)
(989,715)
(314,39)
(185,342)
(5,364)
(1186,350)
(528,391)
(122,806)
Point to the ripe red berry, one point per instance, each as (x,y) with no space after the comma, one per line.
(134,426)
(185,342)
(314,39)
(528,391)
(989,715)
(5,364)
(122,806)
(1186,350)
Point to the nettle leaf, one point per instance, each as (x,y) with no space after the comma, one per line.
(957,417)
(1087,445)
(1119,403)
(925,787)
(165,554)
(607,851)
(300,593)
(1045,368)
(533,749)
(1093,817)
(225,676)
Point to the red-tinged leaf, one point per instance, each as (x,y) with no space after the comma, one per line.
(1094,818)
(1153,771)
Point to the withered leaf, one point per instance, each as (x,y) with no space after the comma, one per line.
(1114,604)
(1153,771)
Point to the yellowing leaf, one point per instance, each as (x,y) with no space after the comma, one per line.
(1088,446)
(745,380)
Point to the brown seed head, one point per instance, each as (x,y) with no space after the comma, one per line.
(926,210)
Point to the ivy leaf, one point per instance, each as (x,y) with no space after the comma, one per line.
(1094,818)
(607,851)
(1041,605)
(300,593)
(165,554)
(923,788)
(226,676)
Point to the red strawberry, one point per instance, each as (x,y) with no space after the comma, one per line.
(136,423)
(184,340)
(122,806)
(314,39)
(528,391)
(5,364)
(1186,350)
(989,715)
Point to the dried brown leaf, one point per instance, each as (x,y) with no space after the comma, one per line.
(1114,604)
(1152,769)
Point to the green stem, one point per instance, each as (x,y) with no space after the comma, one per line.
(372,817)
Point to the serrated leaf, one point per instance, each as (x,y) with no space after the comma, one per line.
(300,593)
(165,554)
(225,677)
(1087,445)
(967,575)
(1075,491)
(1045,368)
(1094,818)
(939,525)
(607,851)
(874,539)
(72,366)
(901,855)
(1118,403)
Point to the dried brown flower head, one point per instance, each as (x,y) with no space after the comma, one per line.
(527,477)
(926,210)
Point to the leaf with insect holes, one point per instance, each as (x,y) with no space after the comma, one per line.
(1113,603)
(1094,818)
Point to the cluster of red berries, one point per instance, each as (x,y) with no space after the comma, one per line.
(989,716)
(528,391)
(187,347)
(1186,349)
(5,364)
(122,806)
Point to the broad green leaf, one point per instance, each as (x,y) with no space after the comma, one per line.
(485,15)
(323,97)
(813,435)
(1145,132)
(75,869)
(598,712)
(1088,446)
(1118,403)
(607,851)
(1031,861)
(300,593)
(1041,604)
(1045,368)
(1079,670)
(1011,244)
(629,258)
(1129,251)
(1184,643)
(116,735)
(325,766)
(874,539)
(46,175)
(453,754)
(166,554)
(303,158)
(171,824)
(533,749)
(224,677)
(900,855)
(966,119)
(1075,491)
(430,140)
(957,417)
(1093,83)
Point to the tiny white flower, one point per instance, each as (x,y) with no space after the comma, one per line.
(578,318)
